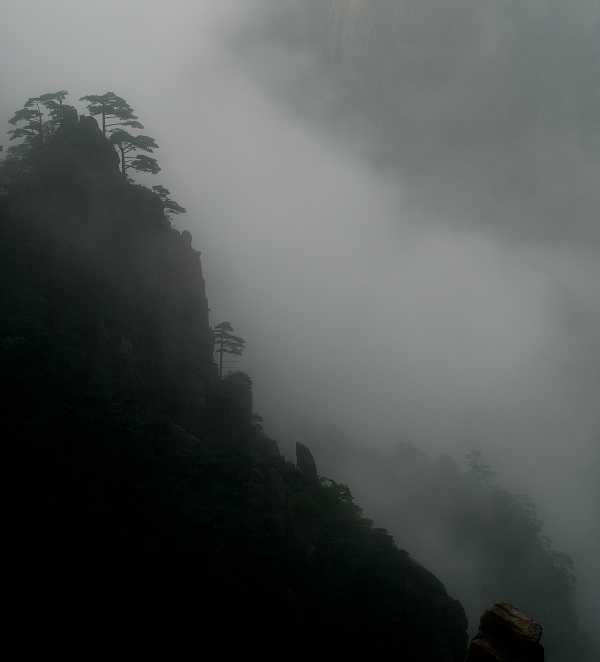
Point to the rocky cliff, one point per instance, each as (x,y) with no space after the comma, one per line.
(386,45)
(97,229)
(143,490)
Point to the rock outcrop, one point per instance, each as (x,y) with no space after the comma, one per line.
(305,462)
(263,444)
(95,222)
(506,635)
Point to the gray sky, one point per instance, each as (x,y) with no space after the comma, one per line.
(360,303)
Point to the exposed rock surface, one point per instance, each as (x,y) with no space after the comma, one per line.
(305,461)
(264,445)
(506,635)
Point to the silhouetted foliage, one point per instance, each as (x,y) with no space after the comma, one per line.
(40,116)
(36,124)
(110,106)
(227,343)
(127,145)
(171,207)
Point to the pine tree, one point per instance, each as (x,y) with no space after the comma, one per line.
(227,343)
(126,144)
(109,105)
(170,206)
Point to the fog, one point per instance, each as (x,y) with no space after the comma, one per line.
(454,304)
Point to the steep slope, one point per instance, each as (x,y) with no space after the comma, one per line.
(142,492)
(484,542)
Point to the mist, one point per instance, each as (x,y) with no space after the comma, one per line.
(434,295)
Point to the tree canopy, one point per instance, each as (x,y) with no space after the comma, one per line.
(170,206)
(36,128)
(108,106)
(127,144)
(39,118)
(112,107)
(35,124)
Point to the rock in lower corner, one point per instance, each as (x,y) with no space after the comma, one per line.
(506,635)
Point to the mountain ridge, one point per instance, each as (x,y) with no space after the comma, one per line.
(154,493)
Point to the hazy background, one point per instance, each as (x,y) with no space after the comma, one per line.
(362,304)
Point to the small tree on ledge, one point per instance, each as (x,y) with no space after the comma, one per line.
(109,105)
(126,143)
(170,206)
(227,343)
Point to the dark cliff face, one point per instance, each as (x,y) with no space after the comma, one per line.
(98,227)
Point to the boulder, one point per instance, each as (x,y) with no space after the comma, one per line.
(506,635)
